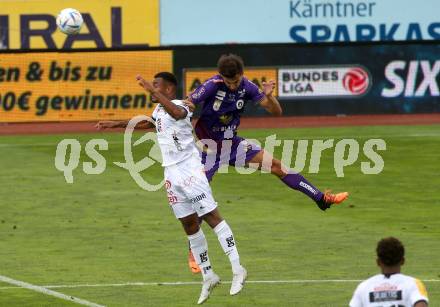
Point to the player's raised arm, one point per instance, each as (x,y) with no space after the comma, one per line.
(175,111)
(269,102)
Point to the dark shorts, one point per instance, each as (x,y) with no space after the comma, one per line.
(235,152)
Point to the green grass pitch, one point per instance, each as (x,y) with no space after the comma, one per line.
(103,229)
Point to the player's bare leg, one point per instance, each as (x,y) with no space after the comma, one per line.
(228,244)
(199,247)
(297,181)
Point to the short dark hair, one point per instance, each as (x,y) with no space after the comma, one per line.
(390,251)
(167,76)
(230,65)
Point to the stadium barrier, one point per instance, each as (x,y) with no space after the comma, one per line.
(320,79)
(77,86)
(331,79)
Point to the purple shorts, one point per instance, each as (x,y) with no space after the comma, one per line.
(235,152)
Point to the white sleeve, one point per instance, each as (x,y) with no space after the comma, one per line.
(181,104)
(356,300)
(418,292)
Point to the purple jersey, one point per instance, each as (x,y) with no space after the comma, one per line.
(222,107)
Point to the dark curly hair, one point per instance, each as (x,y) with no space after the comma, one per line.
(230,65)
(390,251)
(167,76)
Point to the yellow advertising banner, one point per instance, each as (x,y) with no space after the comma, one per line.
(77,86)
(194,77)
(107,24)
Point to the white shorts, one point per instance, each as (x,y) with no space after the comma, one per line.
(188,189)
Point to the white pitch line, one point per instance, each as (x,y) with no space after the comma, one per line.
(22,284)
(186,283)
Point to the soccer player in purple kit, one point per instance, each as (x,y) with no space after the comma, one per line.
(223,98)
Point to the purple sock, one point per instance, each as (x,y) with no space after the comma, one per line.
(299,183)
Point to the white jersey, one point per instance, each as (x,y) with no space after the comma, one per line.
(175,137)
(397,290)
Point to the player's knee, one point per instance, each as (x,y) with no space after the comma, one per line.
(192,228)
(190,225)
(213,218)
(276,168)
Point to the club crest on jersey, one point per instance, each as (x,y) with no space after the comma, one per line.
(240,103)
(241,93)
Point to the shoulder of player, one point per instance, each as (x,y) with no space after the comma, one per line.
(371,280)
(214,81)
(417,282)
(248,82)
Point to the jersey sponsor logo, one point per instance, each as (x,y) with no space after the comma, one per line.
(385,296)
(159,125)
(198,198)
(177,141)
(308,187)
(224,128)
(225,119)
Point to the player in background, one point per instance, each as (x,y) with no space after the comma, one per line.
(189,193)
(223,98)
(390,288)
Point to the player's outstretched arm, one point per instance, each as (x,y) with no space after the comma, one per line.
(269,102)
(176,112)
(110,124)
(122,124)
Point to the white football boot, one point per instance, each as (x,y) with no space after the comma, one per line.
(207,287)
(238,281)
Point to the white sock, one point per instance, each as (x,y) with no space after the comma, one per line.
(226,239)
(199,248)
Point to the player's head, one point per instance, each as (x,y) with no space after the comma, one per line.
(166,82)
(230,67)
(390,253)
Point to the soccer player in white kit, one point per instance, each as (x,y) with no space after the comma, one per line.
(188,190)
(391,288)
